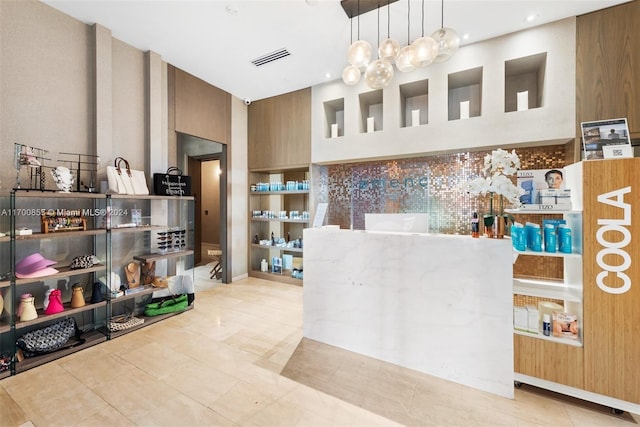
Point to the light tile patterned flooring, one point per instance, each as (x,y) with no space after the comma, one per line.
(239,359)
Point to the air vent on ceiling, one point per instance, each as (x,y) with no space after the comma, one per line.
(270,57)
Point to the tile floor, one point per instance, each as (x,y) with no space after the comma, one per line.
(239,359)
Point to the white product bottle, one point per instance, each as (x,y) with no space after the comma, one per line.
(264,267)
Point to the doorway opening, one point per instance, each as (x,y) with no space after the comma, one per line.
(206,163)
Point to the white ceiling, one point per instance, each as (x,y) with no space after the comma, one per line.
(202,38)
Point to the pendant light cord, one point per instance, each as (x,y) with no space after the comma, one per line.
(408,21)
(423,18)
(388,20)
(442,15)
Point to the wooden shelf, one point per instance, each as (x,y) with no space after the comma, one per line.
(148,290)
(299,221)
(282,193)
(148,321)
(139,229)
(278,248)
(156,257)
(55,234)
(541,336)
(149,197)
(91,338)
(23,192)
(68,311)
(284,278)
(63,272)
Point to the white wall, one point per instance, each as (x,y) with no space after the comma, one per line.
(554,122)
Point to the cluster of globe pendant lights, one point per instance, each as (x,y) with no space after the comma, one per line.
(438,47)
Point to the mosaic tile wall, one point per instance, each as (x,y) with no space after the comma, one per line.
(429,184)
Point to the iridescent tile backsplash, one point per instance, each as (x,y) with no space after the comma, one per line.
(430,184)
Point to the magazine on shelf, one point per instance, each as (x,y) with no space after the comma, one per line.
(606,139)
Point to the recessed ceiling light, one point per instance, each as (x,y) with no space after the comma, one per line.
(327,75)
(531,17)
(465,36)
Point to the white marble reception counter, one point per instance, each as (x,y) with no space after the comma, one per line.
(437,304)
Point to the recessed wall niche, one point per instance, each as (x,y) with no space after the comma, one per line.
(371,111)
(524,82)
(465,94)
(334,118)
(414,103)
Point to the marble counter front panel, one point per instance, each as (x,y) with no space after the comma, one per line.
(437,304)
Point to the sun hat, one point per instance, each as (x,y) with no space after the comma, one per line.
(34,264)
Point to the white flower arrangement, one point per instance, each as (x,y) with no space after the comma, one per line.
(498,166)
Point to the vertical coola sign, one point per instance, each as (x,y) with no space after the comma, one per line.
(614,235)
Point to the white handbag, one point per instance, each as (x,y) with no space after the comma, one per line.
(123,180)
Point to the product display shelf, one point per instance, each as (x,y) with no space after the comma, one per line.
(299,221)
(28,210)
(282,278)
(68,311)
(62,234)
(568,289)
(547,289)
(164,213)
(541,336)
(278,193)
(273,202)
(138,229)
(158,256)
(90,338)
(63,272)
(277,248)
(148,321)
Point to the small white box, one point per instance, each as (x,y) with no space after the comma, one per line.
(520,319)
(415,117)
(370,125)
(464,110)
(533,320)
(334,130)
(24,231)
(523,101)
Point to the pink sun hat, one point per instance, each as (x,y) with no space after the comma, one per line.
(34,265)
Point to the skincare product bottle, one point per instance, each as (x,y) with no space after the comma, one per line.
(550,238)
(475,226)
(564,239)
(546,324)
(264,266)
(536,238)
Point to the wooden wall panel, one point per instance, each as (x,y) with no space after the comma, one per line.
(280,131)
(608,65)
(611,331)
(551,361)
(201,109)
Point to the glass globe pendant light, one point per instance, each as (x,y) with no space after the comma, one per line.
(351,75)
(378,74)
(388,49)
(359,54)
(447,39)
(403,59)
(424,49)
